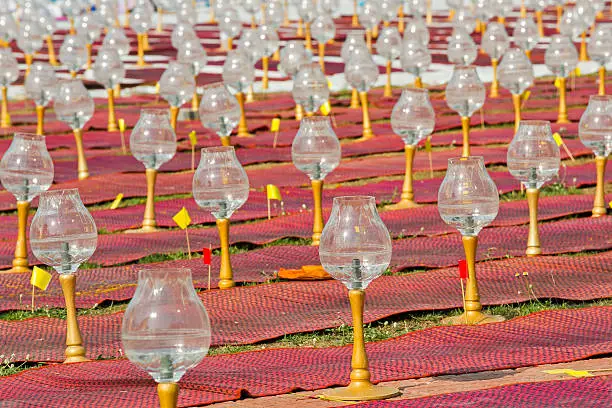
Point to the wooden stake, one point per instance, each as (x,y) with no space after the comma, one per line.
(463,297)
(188,243)
(209,265)
(269,214)
(33,290)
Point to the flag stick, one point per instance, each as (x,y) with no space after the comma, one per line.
(568,151)
(430,158)
(209,265)
(192,157)
(188,244)
(269,215)
(123,148)
(33,289)
(482,119)
(275,140)
(463,297)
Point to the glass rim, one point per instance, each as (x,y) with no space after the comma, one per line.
(60,192)
(156,111)
(214,85)
(217,149)
(144,271)
(534,122)
(464,67)
(600,98)
(355,198)
(316,119)
(455,160)
(30,136)
(421,91)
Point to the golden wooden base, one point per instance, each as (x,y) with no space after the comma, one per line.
(465,130)
(317,225)
(168,395)
(354,99)
(402,205)
(142,230)
(495,83)
(599,204)
(226,274)
(388,92)
(82,169)
(225,141)
(361,392)
(75,352)
(533,239)
(17,269)
(473,318)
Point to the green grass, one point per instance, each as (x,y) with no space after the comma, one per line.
(9,367)
(555,189)
(60,313)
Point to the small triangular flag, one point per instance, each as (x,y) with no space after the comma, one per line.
(122,125)
(557,138)
(275,126)
(157,88)
(525,96)
(40,278)
(182,218)
(273,193)
(193,138)
(463,270)
(206,256)
(428,145)
(329,84)
(115,204)
(577,71)
(326,108)
(557,82)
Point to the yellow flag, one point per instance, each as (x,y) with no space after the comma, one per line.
(122,125)
(273,192)
(192,138)
(558,139)
(328,84)
(182,218)
(570,372)
(326,108)
(525,96)
(40,278)
(275,126)
(577,71)
(557,82)
(427,145)
(157,88)
(117,201)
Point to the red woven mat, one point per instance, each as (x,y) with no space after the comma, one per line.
(541,338)
(252,314)
(583,392)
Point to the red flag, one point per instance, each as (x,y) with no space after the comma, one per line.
(206,256)
(463,271)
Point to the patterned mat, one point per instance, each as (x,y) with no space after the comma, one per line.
(252,314)
(541,338)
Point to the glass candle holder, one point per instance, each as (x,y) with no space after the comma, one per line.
(465,94)
(63,235)
(316,152)
(116,38)
(73,53)
(292,57)
(176,86)
(109,72)
(9,72)
(415,59)
(595,131)
(526,34)
(8,28)
(270,40)
(561,58)
(26,170)
(191,53)
(323,30)
(354,41)
(30,40)
(221,186)
(361,73)
(310,89)
(307,10)
(389,46)
(219,111)
(88,28)
(600,51)
(252,46)
(516,75)
(238,74)
(533,159)
(40,86)
(462,49)
(369,17)
(153,143)
(74,106)
(182,32)
(230,25)
(468,200)
(356,249)
(141,21)
(165,329)
(495,42)
(412,119)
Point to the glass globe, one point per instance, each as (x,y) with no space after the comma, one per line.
(369,14)
(274,13)
(9,69)
(599,47)
(26,169)
(73,105)
(361,72)
(416,30)
(238,71)
(310,88)
(251,44)
(269,37)
(8,28)
(40,84)
(152,141)
(533,155)
(595,127)
(316,150)
(141,20)
(462,49)
(220,184)
(354,39)
(73,52)
(561,56)
(415,57)
(389,43)
(323,28)
(117,39)
(468,199)
(495,40)
(355,245)
(165,329)
(525,34)
(108,69)
(88,27)
(219,109)
(413,117)
(182,32)
(63,233)
(192,53)
(229,22)
(465,93)
(515,71)
(30,37)
(176,84)
(292,56)
(465,19)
